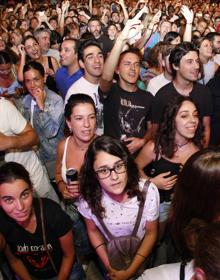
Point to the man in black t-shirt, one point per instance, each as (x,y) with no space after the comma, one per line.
(126,108)
(94,27)
(185,65)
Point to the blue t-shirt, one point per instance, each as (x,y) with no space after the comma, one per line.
(64,80)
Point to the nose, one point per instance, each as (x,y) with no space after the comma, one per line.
(86,122)
(61,53)
(193,118)
(196,65)
(32,84)
(19,205)
(34,48)
(132,66)
(97,58)
(114,175)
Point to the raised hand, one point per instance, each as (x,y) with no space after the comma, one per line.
(156,18)
(21,50)
(187,13)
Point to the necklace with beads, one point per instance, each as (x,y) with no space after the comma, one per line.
(180,146)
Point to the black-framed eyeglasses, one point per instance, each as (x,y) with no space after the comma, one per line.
(105,172)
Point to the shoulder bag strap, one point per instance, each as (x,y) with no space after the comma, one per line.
(138,219)
(141,208)
(44,235)
(107,232)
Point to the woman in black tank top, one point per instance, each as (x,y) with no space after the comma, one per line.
(29,51)
(178,137)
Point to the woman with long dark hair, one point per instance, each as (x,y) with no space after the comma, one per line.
(111,190)
(30,51)
(178,137)
(197,195)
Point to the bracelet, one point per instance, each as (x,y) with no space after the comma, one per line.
(99,245)
(141,255)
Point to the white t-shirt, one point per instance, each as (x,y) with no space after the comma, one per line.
(167,272)
(83,86)
(157,83)
(120,217)
(13,123)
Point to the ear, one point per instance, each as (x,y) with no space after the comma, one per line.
(199,274)
(68,124)
(175,67)
(81,64)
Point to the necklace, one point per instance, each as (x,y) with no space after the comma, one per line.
(79,147)
(180,146)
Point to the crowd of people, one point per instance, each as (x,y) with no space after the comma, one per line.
(109,135)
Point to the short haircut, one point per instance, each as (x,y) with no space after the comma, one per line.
(40,30)
(76,43)
(179,51)
(85,44)
(130,50)
(94,18)
(211,36)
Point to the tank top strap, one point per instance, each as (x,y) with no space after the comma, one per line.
(50,64)
(64,152)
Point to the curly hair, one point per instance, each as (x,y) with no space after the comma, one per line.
(165,136)
(91,189)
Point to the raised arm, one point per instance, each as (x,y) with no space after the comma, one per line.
(62,13)
(21,62)
(124,9)
(188,15)
(149,30)
(112,59)
(90,6)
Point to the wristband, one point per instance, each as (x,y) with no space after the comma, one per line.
(99,245)
(141,255)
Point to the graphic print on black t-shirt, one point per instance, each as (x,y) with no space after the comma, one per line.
(132,121)
(35,255)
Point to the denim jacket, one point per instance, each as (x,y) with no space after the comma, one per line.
(48,123)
